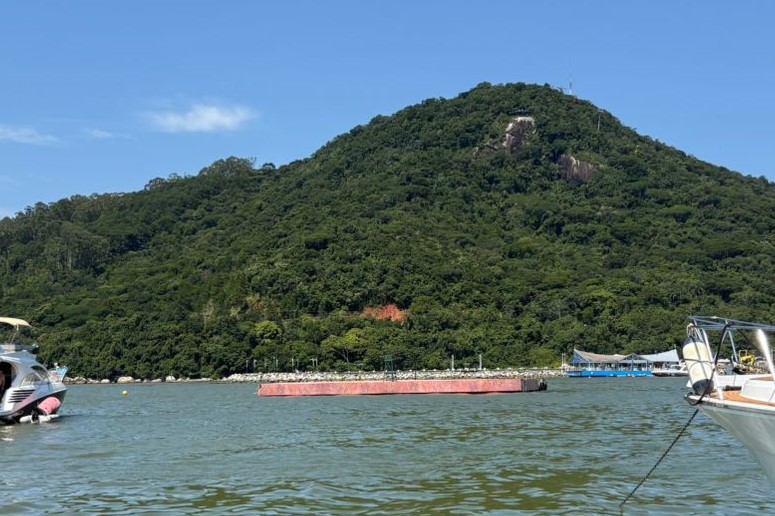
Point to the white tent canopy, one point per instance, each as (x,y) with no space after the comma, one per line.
(585,357)
(666,357)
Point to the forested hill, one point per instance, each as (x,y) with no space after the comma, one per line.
(514,221)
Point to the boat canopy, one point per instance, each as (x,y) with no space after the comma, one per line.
(14,322)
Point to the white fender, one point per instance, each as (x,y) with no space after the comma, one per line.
(699,363)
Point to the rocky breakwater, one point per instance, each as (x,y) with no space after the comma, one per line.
(319,376)
(316,376)
(80,380)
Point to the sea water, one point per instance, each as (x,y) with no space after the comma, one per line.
(580,447)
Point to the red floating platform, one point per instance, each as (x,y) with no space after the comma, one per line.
(381,388)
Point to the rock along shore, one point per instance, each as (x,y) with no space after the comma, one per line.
(316,376)
(399,375)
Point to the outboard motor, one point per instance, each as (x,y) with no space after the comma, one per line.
(49,406)
(44,412)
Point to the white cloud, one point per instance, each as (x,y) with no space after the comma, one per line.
(201,118)
(24,135)
(100,134)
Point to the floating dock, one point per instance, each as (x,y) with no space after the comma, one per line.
(585,373)
(382,388)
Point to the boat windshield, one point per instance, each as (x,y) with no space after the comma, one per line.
(36,377)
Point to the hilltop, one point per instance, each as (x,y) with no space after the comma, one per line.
(513,222)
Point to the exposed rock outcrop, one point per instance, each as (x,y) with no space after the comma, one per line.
(576,170)
(385,313)
(517,133)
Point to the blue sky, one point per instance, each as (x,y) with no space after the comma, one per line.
(103,96)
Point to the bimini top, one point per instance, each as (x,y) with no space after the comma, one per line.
(14,322)
(721,323)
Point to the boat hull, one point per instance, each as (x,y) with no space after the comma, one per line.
(752,424)
(381,388)
(29,406)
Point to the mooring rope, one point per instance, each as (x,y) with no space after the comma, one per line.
(621,505)
(706,391)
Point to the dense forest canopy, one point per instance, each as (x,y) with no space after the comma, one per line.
(513,222)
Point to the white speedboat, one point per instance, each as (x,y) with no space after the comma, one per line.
(28,392)
(744,405)
(671,370)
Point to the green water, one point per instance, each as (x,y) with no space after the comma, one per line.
(579,447)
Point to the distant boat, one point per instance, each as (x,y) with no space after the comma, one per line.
(671,370)
(28,392)
(594,365)
(742,404)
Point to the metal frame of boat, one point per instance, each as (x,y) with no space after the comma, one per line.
(26,384)
(744,405)
(731,372)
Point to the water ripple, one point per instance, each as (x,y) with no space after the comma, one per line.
(579,447)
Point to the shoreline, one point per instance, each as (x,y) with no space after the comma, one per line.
(317,376)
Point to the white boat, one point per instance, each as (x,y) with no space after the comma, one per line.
(743,404)
(733,372)
(28,392)
(671,370)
